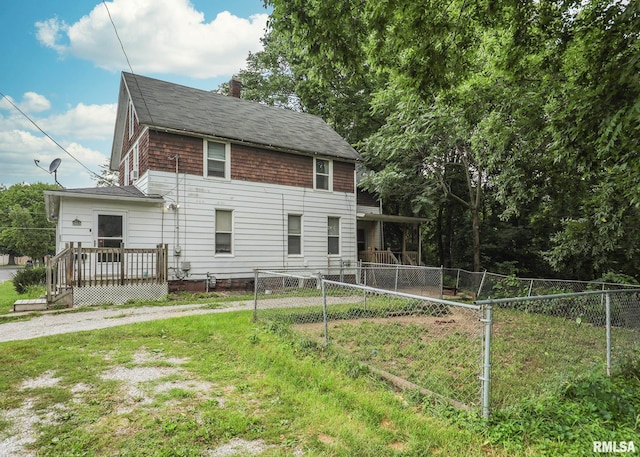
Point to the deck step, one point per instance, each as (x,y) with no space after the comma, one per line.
(33,304)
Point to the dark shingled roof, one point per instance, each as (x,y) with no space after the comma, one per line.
(166,105)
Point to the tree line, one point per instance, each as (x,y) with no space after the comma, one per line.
(24,228)
(512,125)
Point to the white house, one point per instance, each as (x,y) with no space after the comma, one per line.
(229,185)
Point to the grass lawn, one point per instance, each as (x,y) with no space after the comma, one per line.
(189,385)
(221,385)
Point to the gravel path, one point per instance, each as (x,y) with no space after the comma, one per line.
(55,324)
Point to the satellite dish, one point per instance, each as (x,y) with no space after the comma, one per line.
(53,166)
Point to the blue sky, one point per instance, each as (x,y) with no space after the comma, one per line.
(62,64)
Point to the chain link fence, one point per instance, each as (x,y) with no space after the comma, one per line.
(539,342)
(413,341)
(392,319)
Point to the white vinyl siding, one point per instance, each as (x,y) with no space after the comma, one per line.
(259,224)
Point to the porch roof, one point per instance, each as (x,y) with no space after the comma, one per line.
(121,193)
(391,218)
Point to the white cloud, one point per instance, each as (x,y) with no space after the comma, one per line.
(50,31)
(83,122)
(159,36)
(21,143)
(34,103)
(31,103)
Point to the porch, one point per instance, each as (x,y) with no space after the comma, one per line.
(81,276)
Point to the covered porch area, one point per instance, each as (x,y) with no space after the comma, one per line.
(373,248)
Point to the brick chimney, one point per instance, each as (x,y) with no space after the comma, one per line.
(235,87)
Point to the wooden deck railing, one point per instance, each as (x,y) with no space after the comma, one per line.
(78,266)
(388,257)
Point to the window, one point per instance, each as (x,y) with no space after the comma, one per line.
(224,231)
(294,234)
(132,118)
(110,235)
(323,174)
(216,159)
(333,230)
(136,162)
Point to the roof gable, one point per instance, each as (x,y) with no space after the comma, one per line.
(165,105)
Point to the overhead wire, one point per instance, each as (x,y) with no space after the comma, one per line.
(47,135)
(115,29)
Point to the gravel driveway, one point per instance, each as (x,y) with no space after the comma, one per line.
(61,322)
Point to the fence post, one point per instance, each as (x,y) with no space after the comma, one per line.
(255,295)
(441,282)
(397,270)
(50,282)
(530,288)
(458,280)
(325,315)
(486,375)
(481,284)
(607,307)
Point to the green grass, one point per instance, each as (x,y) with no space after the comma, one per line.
(8,296)
(258,383)
(224,377)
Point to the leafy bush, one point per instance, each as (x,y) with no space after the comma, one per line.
(27,277)
(594,407)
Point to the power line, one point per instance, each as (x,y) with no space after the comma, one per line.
(115,29)
(47,135)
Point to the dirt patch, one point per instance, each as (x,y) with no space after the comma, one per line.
(238,446)
(461,320)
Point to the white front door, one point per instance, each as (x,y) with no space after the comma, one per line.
(110,233)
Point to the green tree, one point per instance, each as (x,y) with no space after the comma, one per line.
(24,228)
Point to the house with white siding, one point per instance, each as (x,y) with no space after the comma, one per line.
(228,185)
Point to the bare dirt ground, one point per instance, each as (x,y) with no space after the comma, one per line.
(140,383)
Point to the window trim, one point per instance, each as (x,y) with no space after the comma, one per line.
(215,234)
(329,175)
(132,124)
(338,236)
(299,235)
(135,172)
(227,159)
(97,237)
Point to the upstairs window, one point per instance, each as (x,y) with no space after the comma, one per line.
(217,160)
(294,234)
(224,231)
(132,119)
(322,172)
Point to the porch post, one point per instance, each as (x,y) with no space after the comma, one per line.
(122,264)
(419,244)
(80,264)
